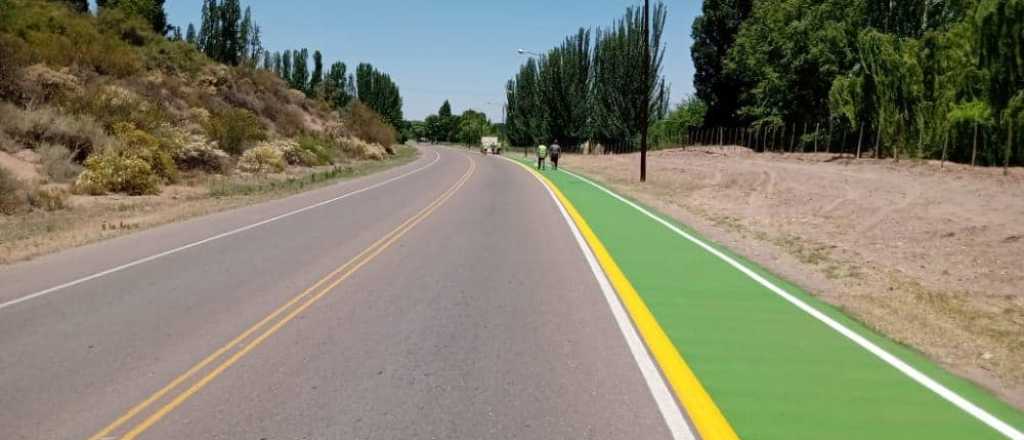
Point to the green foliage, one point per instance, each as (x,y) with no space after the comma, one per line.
(336,86)
(227,36)
(117,171)
(380,93)
(235,130)
(714,34)
(525,122)
(311,151)
(52,34)
(673,129)
(150,10)
(564,89)
(473,125)
(139,144)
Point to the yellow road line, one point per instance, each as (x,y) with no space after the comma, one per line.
(704,413)
(354,265)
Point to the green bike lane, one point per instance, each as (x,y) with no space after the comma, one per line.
(774,370)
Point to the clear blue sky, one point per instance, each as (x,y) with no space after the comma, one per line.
(462,50)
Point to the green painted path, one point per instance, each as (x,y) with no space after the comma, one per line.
(776,371)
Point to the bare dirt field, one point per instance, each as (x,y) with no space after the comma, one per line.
(933,257)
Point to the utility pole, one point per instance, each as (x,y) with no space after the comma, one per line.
(645,111)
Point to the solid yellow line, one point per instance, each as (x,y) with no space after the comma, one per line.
(369,253)
(704,413)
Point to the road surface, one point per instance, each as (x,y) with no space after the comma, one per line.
(443,299)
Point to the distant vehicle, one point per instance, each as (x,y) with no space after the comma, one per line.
(490,144)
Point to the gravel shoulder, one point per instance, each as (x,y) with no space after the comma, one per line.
(929,255)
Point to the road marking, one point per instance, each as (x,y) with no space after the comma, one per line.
(670,410)
(96,275)
(346,270)
(951,396)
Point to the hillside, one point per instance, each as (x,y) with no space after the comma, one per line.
(100,106)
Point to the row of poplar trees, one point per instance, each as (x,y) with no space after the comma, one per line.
(916,78)
(589,87)
(232,37)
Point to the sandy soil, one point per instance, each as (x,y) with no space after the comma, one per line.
(931,257)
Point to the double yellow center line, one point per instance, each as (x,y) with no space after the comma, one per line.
(269,325)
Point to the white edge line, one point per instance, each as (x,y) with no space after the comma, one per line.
(31,296)
(667,405)
(951,396)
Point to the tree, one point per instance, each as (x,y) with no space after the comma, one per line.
(286,66)
(151,10)
(335,86)
(524,118)
(619,99)
(299,79)
(230,47)
(245,32)
(473,125)
(190,35)
(674,128)
(378,91)
(564,89)
(318,75)
(714,33)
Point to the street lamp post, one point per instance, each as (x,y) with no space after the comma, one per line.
(645,115)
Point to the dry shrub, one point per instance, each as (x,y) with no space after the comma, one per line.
(368,125)
(198,155)
(358,149)
(39,84)
(14,53)
(235,130)
(12,194)
(58,163)
(80,134)
(262,159)
(111,104)
(48,198)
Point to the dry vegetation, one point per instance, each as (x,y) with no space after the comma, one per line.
(930,256)
(93,109)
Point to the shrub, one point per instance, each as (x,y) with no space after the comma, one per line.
(58,163)
(39,84)
(359,149)
(366,124)
(12,194)
(48,199)
(235,129)
(80,134)
(318,151)
(199,155)
(262,159)
(139,144)
(113,104)
(113,171)
(14,52)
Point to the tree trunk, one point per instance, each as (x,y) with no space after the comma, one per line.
(1009,144)
(816,128)
(842,146)
(878,142)
(974,149)
(860,139)
(945,145)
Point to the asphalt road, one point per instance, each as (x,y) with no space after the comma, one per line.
(450,301)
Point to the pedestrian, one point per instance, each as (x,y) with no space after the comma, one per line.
(542,153)
(556,150)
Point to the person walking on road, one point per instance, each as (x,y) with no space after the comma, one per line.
(556,150)
(542,153)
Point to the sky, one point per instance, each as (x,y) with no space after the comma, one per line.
(460,50)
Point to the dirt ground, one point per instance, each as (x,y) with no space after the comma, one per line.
(933,257)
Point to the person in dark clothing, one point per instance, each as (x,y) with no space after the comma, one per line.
(556,151)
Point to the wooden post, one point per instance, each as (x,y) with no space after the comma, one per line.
(878,141)
(828,141)
(782,139)
(792,140)
(860,139)
(721,135)
(842,146)
(817,126)
(945,145)
(974,150)
(1009,145)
